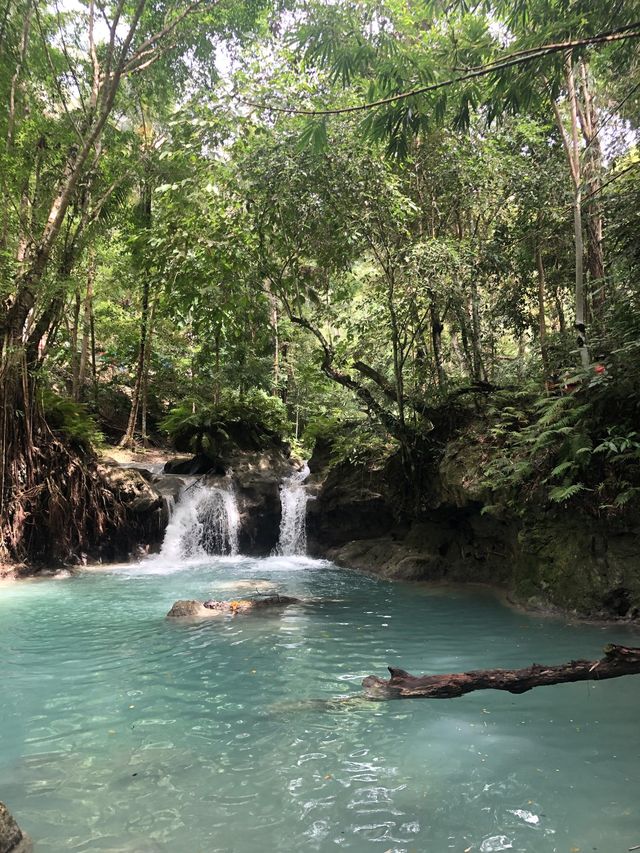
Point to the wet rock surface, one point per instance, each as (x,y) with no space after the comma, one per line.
(545,558)
(257,478)
(190,609)
(141,517)
(12,839)
(194,466)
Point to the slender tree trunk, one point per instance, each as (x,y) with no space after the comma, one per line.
(572,149)
(464,340)
(436,340)
(580,301)
(592,173)
(128,439)
(562,323)
(217,381)
(542,322)
(86,328)
(75,355)
(145,379)
(455,348)
(94,371)
(479,373)
(276,346)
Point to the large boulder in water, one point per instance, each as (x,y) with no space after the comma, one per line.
(188,609)
(12,839)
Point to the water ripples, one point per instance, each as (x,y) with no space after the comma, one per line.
(122,731)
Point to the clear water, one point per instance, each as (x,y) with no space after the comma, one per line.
(123,731)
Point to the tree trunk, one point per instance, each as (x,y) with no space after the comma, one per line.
(618,660)
(436,340)
(592,173)
(572,150)
(479,373)
(75,355)
(217,382)
(276,346)
(562,323)
(86,329)
(94,371)
(542,322)
(145,377)
(128,439)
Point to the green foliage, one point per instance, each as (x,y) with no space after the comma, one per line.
(71,420)
(578,445)
(357,442)
(252,422)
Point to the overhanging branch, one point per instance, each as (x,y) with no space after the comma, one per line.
(508,61)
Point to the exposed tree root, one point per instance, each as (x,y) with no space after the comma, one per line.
(55,504)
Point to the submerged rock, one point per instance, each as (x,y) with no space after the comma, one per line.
(187,609)
(191,609)
(12,839)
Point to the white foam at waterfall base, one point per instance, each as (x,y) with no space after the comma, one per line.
(204,522)
(293,525)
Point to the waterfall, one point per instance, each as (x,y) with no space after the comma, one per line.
(293,525)
(205,521)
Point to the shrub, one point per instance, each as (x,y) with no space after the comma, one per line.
(251,422)
(70,419)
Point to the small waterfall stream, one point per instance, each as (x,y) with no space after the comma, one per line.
(204,521)
(293,525)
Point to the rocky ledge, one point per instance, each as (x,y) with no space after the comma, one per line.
(542,557)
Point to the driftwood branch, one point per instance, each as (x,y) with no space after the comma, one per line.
(617,661)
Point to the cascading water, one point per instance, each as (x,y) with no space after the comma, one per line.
(293,525)
(205,521)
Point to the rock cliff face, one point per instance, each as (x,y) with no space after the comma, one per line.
(257,478)
(543,557)
(139,523)
(143,498)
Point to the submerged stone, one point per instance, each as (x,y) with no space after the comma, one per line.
(191,609)
(12,839)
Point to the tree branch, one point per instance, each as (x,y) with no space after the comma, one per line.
(617,661)
(388,420)
(381,381)
(508,61)
(147,46)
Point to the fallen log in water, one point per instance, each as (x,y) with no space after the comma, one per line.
(617,661)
